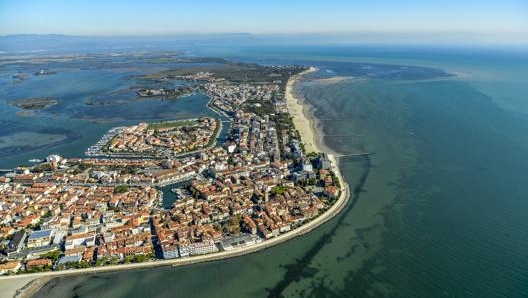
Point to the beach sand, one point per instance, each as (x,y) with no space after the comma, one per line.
(303,123)
(21,286)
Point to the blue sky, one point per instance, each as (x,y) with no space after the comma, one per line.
(111,18)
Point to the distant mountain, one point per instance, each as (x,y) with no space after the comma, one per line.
(31,43)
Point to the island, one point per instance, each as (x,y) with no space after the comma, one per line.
(165,92)
(37,103)
(267,182)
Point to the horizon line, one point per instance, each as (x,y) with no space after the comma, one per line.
(350,37)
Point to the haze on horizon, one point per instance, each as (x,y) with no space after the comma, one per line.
(411,20)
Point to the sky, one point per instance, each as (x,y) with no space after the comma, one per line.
(496,19)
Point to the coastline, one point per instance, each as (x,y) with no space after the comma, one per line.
(306,126)
(298,111)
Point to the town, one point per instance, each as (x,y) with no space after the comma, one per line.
(107,209)
(167,139)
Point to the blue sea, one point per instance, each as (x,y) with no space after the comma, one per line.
(439,209)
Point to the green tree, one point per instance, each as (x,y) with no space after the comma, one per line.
(43,167)
(101,261)
(52,255)
(234,224)
(336,181)
(113,261)
(121,189)
(279,190)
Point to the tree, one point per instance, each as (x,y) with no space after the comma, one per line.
(36,226)
(52,255)
(121,189)
(336,181)
(83,264)
(113,261)
(234,224)
(279,190)
(139,258)
(43,167)
(311,155)
(101,261)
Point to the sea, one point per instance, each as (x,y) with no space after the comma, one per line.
(438,209)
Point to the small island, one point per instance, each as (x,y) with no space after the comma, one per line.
(166,93)
(37,103)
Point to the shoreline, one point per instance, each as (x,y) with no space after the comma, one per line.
(302,121)
(312,142)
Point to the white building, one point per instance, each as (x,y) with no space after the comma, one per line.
(204,247)
(39,238)
(170,251)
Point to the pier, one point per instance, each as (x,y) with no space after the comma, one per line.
(343,135)
(355,154)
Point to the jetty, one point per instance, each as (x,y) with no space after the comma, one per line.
(355,154)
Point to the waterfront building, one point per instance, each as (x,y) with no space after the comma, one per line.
(204,247)
(73,259)
(38,263)
(235,242)
(170,251)
(184,250)
(39,238)
(10,267)
(331,191)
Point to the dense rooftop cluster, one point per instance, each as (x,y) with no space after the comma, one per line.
(171,138)
(51,212)
(225,97)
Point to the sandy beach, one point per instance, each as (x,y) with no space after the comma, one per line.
(27,285)
(301,119)
(22,286)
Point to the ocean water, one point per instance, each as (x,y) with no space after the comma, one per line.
(439,209)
